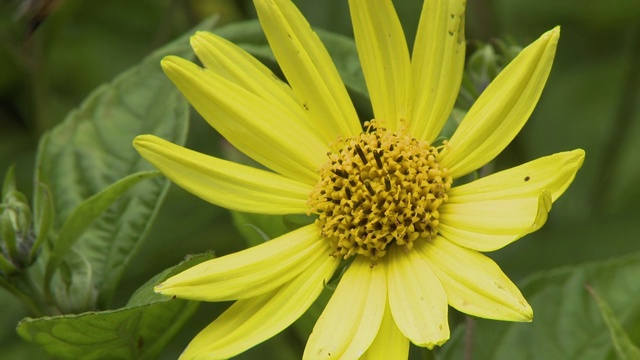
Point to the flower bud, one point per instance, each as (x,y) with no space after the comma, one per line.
(16,232)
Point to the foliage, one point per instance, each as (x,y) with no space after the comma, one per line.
(94,200)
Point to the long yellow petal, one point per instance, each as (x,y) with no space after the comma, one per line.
(389,344)
(553,173)
(250,272)
(308,69)
(352,317)
(372,313)
(502,109)
(252,321)
(492,224)
(474,283)
(438,64)
(230,61)
(496,210)
(250,123)
(417,300)
(224,183)
(384,56)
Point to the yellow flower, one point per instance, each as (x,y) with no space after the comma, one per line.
(385,196)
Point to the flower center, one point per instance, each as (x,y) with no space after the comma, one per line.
(381,188)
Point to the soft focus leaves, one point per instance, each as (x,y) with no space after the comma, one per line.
(85,44)
(140,330)
(83,216)
(590,101)
(567,321)
(625,349)
(113,334)
(92,149)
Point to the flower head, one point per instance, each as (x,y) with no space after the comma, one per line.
(384,195)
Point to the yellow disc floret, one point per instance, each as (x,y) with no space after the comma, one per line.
(380,188)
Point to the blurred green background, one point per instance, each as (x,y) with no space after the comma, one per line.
(591,101)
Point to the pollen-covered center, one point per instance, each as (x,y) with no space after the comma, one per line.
(381,188)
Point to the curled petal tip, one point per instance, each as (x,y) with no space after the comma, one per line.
(431,345)
(161,288)
(170,62)
(142,142)
(545,203)
(166,60)
(139,138)
(138,142)
(198,38)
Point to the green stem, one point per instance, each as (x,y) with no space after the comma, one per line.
(468,337)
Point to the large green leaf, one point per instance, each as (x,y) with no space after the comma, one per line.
(140,330)
(77,223)
(92,149)
(567,321)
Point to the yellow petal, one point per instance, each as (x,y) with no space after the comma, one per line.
(222,182)
(418,302)
(250,272)
(384,56)
(309,69)
(249,322)
(233,63)
(389,344)
(438,64)
(496,210)
(353,315)
(250,123)
(474,283)
(553,173)
(492,224)
(502,108)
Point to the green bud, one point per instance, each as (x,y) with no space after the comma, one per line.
(16,232)
(482,66)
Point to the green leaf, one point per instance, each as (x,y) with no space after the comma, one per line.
(146,295)
(624,347)
(73,288)
(84,215)
(257,228)
(567,322)
(7,268)
(12,311)
(92,149)
(140,330)
(42,217)
(9,184)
